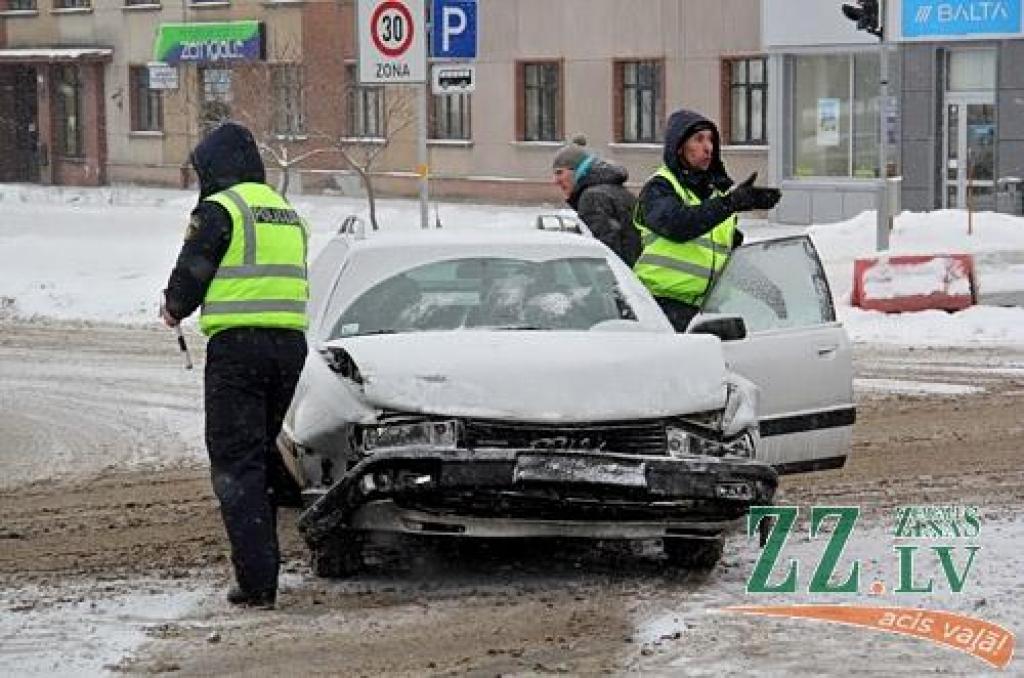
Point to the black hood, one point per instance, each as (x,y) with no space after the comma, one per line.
(600,172)
(227,156)
(679,125)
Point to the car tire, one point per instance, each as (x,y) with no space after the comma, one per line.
(338,556)
(694,554)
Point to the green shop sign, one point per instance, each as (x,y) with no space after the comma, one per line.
(209,43)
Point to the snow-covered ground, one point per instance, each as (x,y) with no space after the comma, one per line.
(104,255)
(92,633)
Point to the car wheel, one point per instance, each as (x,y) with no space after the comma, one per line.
(694,554)
(340,555)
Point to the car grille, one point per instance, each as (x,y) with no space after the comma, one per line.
(625,438)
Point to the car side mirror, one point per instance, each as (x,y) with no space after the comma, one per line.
(725,327)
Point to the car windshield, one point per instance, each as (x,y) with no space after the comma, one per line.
(492,293)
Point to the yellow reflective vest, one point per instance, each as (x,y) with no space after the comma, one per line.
(682,270)
(261,281)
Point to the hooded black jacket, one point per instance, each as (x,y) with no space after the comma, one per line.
(226,156)
(606,207)
(662,211)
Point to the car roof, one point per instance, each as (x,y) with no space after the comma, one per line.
(479,239)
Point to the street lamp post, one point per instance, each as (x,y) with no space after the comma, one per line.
(884,202)
(870,16)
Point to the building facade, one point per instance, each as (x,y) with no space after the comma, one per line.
(952,121)
(88,109)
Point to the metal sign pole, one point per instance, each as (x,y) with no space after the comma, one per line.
(882,222)
(421,154)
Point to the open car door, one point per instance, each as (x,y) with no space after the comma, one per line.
(795,351)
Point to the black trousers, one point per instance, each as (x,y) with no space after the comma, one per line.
(250,376)
(679,313)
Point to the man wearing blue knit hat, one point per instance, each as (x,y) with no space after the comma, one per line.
(594,188)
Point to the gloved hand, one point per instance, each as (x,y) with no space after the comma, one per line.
(745,196)
(168,319)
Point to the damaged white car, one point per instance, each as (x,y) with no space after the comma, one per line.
(476,384)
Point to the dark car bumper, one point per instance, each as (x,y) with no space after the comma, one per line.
(539,493)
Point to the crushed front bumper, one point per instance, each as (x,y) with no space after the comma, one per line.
(528,492)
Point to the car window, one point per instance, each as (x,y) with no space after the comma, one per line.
(775,284)
(483,292)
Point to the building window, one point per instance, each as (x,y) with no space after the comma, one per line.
(971,70)
(365,107)
(835,115)
(641,104)
(147,105)
(21,5)
(540,101)
(450,117)
(289,101)
(69,110)
(214,96)
(747,98)
(71,4)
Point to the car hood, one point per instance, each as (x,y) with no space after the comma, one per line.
(540,375)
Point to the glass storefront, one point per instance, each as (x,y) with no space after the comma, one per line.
(835,115)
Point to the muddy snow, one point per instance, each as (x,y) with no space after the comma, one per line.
(113,560)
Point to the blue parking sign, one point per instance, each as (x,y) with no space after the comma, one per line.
(453,29)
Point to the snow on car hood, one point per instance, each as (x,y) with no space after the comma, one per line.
(541,376)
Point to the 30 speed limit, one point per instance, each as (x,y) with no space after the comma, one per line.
(392,48)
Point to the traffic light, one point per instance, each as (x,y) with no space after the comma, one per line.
(865,13)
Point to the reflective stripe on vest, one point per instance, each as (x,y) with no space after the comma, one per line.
(682,270)
(261,281)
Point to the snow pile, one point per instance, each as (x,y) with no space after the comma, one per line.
(940,232)
(977,325)
(996,241)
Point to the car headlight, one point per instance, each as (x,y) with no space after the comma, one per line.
(442,434)
(741,404)
(685,443)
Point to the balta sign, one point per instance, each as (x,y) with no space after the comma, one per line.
(209,43)
(960,18)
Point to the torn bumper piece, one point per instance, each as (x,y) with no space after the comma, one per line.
(510,493)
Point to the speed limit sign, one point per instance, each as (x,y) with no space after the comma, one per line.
(392,41)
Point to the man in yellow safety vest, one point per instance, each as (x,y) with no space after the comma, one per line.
(686,216)
(244,260)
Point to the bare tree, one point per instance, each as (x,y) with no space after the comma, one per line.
(360,153)
(374,118)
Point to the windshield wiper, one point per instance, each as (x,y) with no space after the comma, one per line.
(516,327)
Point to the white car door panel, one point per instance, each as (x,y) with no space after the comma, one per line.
(795,351)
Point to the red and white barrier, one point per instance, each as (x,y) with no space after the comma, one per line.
(898,284)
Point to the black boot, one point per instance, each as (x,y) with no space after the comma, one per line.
(261,600)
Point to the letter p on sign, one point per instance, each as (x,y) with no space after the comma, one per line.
(454,29)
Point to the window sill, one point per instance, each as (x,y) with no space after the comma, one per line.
(747,148)
(146,134)
(629,146)
(142,7)
(296,137)
(16,13)
(219,4)
(71,10)
(283,3)
(451,143)
(546,145)
(375,141)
